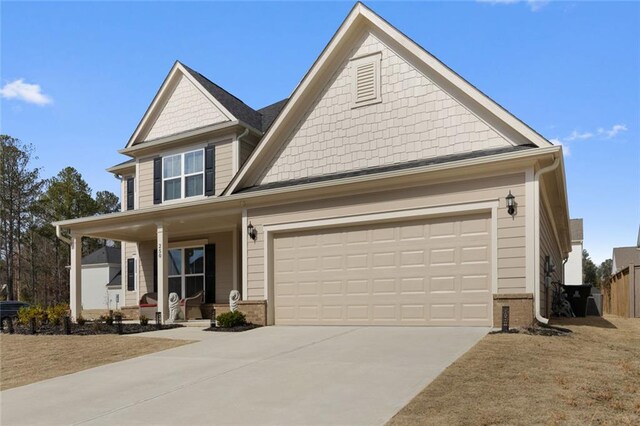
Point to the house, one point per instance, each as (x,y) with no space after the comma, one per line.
(573,266)
(386,190)
(622,257)
(101,287)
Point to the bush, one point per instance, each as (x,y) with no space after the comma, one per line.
(80,320)
(25,315)
(144,320)
(57,312)
(231,319)
(106,318)
(118,315)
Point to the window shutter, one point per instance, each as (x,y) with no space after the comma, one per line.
(130,202)
(155,271)
(157,180)
(209,171)
(131,274)
(210,273)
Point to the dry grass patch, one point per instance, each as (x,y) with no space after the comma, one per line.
(589,377)
(29,359)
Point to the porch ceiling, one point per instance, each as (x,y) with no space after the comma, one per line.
(179,225)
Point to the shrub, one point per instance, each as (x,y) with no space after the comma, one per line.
(144,320)
(80,320)
(231,319)
(25,315)
(106,318)
(118,315)
(57,312)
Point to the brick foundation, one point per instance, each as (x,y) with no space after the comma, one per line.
(520,309)
(129,312)
(254,310)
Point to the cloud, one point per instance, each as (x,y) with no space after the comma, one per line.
(565,148)
(575,135)
(30,93)
(613,132)
(534,5)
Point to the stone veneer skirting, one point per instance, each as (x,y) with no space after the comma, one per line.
(254,310)
(520,309)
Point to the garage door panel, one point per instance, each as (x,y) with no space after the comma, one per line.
(426,272)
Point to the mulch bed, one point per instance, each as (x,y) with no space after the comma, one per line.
(89,328)
(537,330)
(233,329)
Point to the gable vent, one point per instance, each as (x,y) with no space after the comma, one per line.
(366,80)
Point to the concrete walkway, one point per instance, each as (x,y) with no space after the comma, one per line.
(271,375)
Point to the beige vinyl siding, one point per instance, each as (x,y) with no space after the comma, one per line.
(548,247)
(145,183)
(145,279)
(130,297)
(416,119)
(247,145)
(223,152)
(187,108)
(224,165)
(511,231)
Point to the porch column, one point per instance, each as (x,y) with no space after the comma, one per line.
(75,276)
(163,268)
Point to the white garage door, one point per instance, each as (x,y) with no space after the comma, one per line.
(423,272)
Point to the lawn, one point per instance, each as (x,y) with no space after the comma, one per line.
(29,359)
(591,376)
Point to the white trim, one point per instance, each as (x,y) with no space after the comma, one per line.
(189,243)
(234,248)
(530,218)
(183,175)
(245,255)
(235,156)
(268,232)
(136,185)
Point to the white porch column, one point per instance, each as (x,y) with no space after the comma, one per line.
(75,276)
(163,269)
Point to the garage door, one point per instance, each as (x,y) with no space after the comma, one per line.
(424,272)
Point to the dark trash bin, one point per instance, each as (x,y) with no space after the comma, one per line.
(594,303)
(578,295)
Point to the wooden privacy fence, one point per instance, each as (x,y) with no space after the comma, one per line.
(621,293)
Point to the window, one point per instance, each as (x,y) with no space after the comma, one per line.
(186,271)
(183,175)
(366,80)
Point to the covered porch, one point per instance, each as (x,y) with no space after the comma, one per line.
(184,250)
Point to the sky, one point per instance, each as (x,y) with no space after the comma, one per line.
(77,77)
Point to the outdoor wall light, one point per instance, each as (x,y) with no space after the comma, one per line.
(511,204)
(252,232)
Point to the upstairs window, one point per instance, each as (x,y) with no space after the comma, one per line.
(183,175)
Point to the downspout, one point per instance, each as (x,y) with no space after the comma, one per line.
(236,160)
(536,194)
(60,236)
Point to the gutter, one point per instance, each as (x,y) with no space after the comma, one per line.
(60,236)
(536,196)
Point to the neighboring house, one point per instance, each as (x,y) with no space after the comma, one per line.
(377,194)
(101,287)
(622,257)
(573,267)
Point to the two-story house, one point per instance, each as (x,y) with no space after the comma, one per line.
(386,190)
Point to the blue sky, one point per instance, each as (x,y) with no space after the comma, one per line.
(76,77)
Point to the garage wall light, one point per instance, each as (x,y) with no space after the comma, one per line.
(252,232)
(511,204)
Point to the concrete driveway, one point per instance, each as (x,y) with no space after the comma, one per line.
(271,375)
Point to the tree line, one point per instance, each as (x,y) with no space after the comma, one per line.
(33,261)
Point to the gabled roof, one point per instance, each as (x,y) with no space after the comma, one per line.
(235,106)
(109,255)
(358,19)
(270,113)
(575,226)
(116,281)
(165,91)
(625,256)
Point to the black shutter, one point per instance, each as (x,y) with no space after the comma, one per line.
(131,274)
(130,194)
(155,271)
(210,273)
(209,171)
(157,180)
